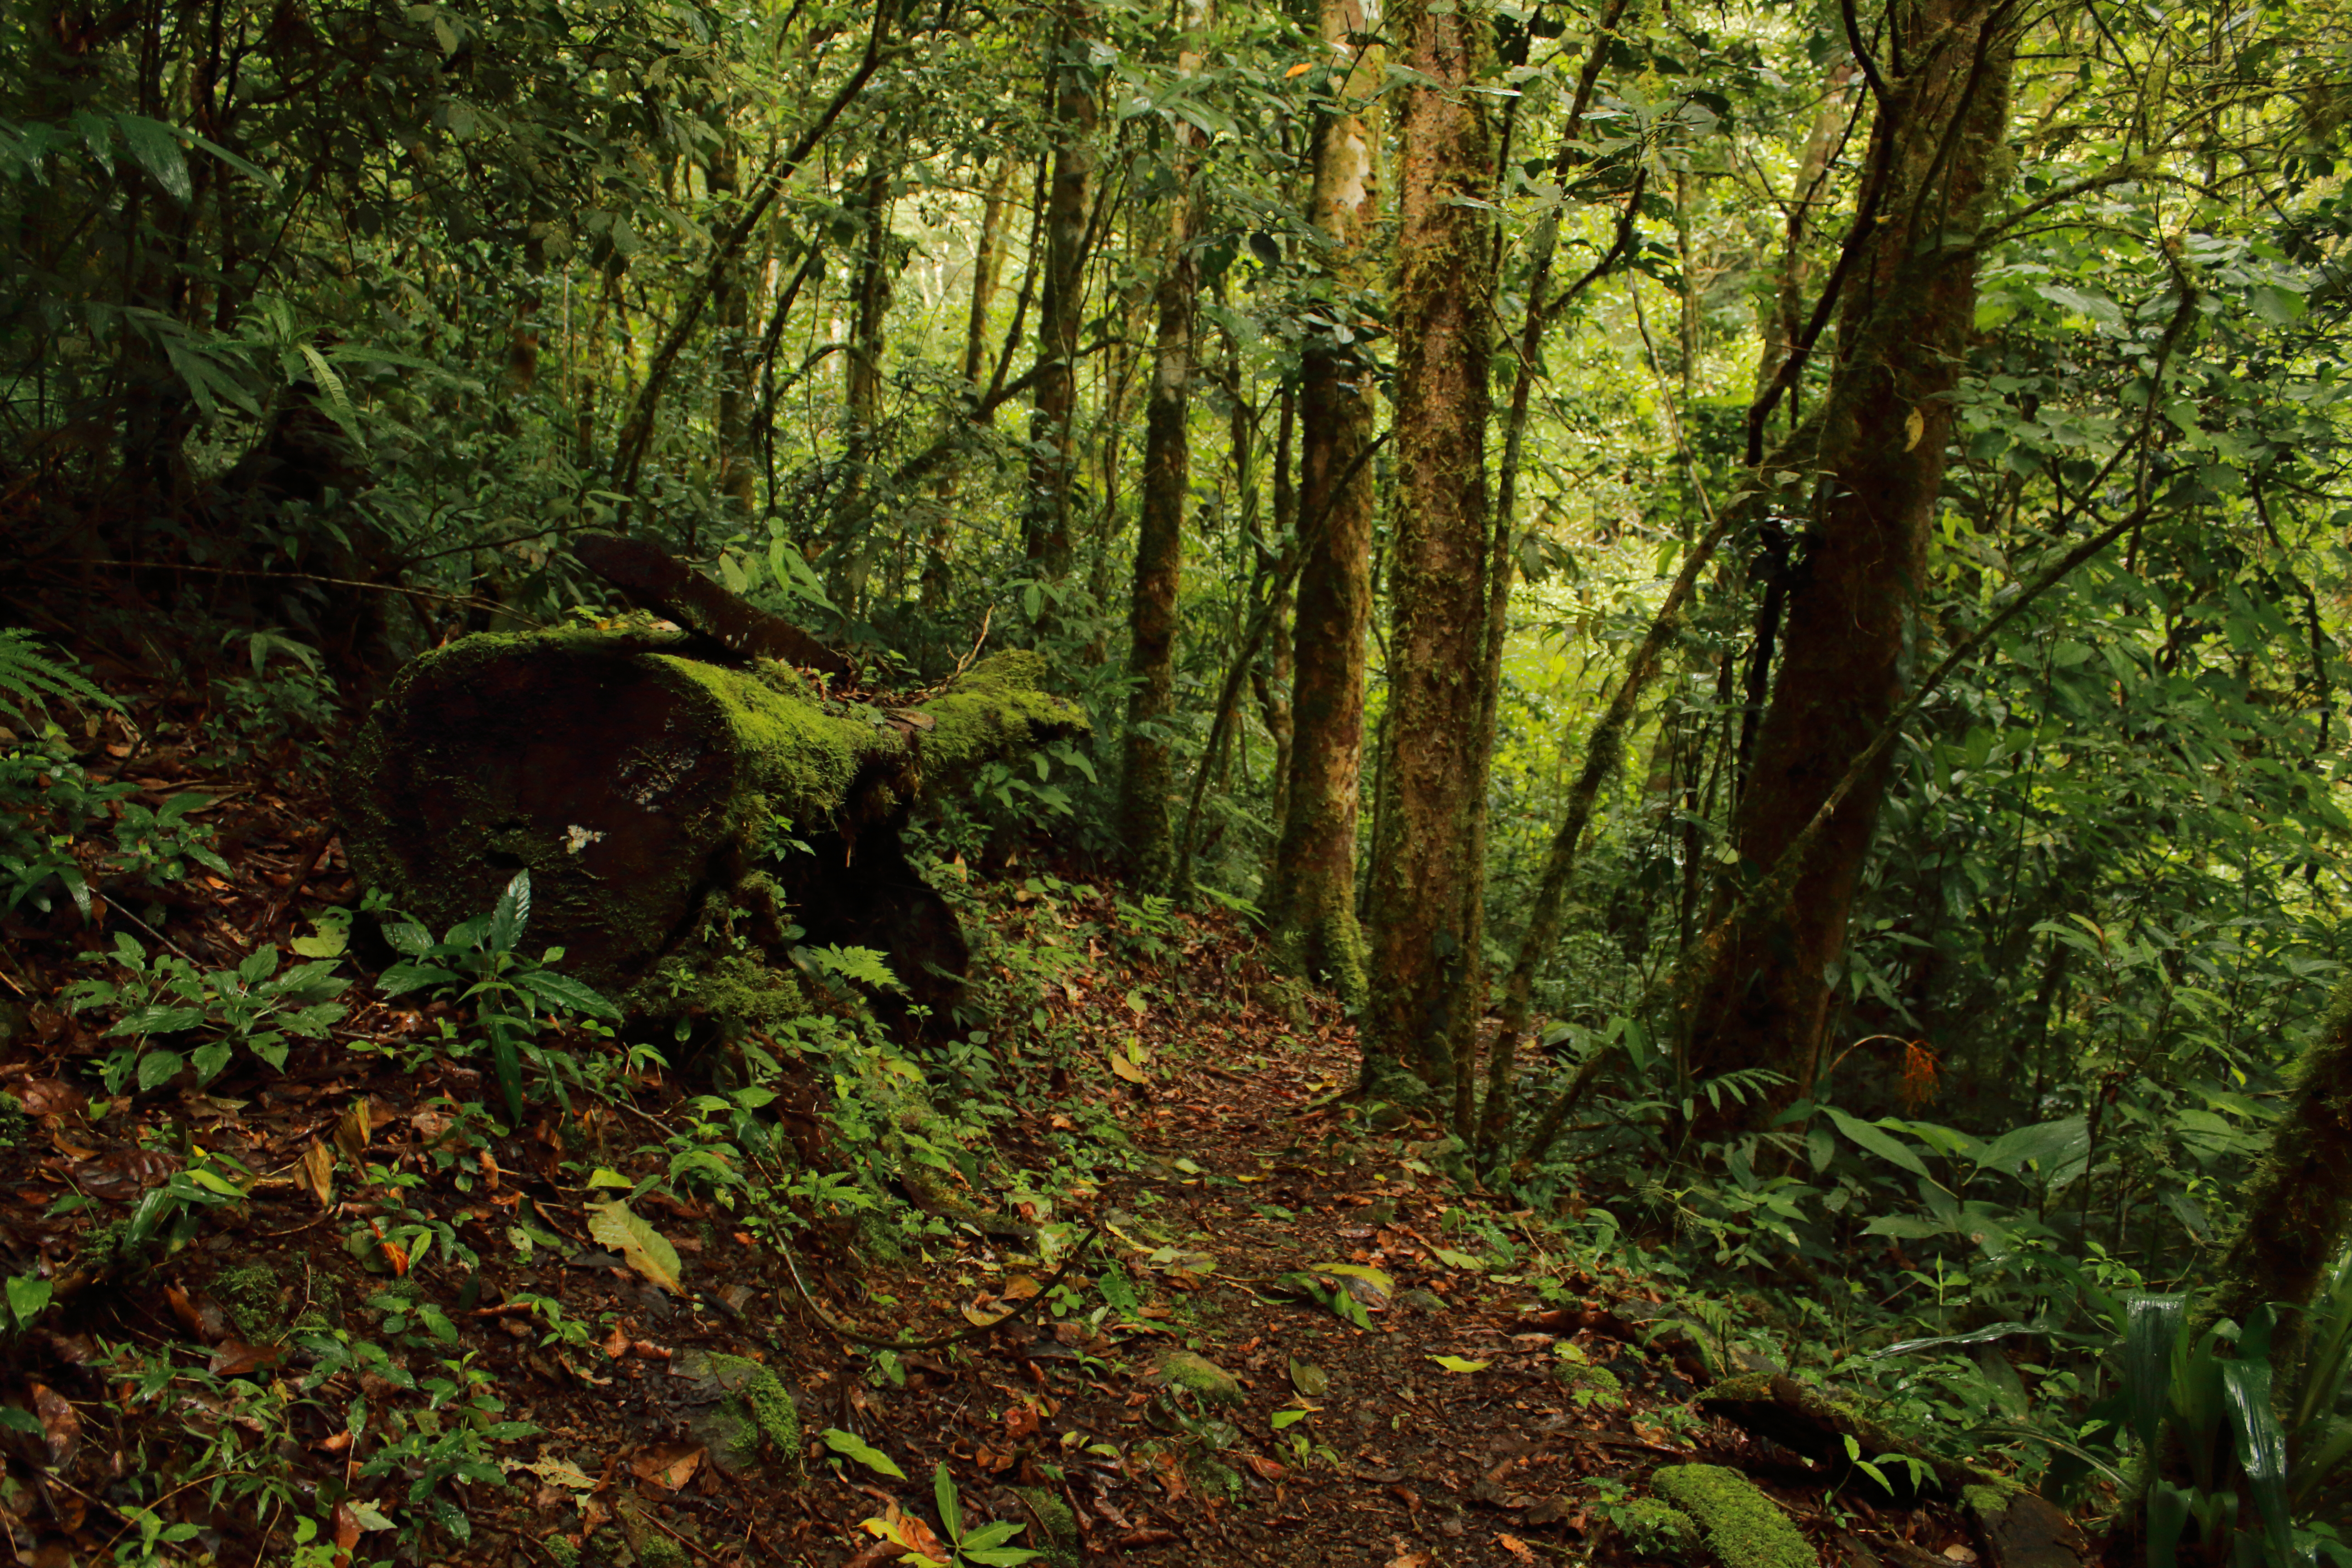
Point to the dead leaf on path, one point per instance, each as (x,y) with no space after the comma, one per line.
(979,1318)
(1268,1470)
(1019,1287)
(1021,1424)
(1406,1558)
(319,1173)
(235,1358)
(904,1530)
(561,1473)
(617,1344)
(200,1315)
(1310,1380)
(671,1465)
(347,1526)
(60,1428)
(1516,1547)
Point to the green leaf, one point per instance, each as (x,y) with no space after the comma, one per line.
(1452,1259)
(2261,1450)
(1455,1363)
(512,914)
(1876,1140)
(157,1068)
(28,1297)
(647,1251)
(850,1446)
(943,1492)
(1289,1418)
(2151,1326)
(156,1019)
(156,146)
(505,1060)
(17,1420)
(564,992)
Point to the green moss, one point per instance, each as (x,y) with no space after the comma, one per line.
(652,1546)
(764,1400)
(559,1551)
(1200,1376)
(999,705)
(1744,1528)
(1592,1385)
(255,1298)
(1053,1528)
(1653,1528)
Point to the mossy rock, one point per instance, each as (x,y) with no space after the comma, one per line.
(1199,1376)
(1592,1385)
(648,1543)
(741,1411)
(1743,1527)
(1804,1420)
(255,1298)
(1053,1528)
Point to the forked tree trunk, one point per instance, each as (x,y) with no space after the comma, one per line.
(1936,161)
(1312,897)
(1422,878)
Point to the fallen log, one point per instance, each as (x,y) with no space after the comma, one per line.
(648,779)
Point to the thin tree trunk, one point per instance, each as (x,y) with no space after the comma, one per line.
(1053,429)
(1905,326)
(1470,1007)
(731,298)
(987,259)
(1423,882)
(1160,528)
(1311,898)
(1273,678)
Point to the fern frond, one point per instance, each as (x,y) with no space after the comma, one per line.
(29,676)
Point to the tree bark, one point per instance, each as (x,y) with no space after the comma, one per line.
(1938,158)
(1421,880)
(1144,782)
(1053,427)
(731,298)
(1311,899)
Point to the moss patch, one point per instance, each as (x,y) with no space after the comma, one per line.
(653,1548)
(1211,1384)
(1653,1528)
(1744,1527)
(256,1297)
(1053,1528)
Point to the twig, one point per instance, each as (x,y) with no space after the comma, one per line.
(151,930)
(854,1337)
(700,1551)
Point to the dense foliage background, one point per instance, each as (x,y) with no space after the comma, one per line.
(326,326)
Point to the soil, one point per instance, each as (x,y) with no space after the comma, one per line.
(1252,1213)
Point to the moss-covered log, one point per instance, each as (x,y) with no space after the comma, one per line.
(634,782)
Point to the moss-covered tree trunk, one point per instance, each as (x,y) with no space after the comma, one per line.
(1939,157)
(1422,877)
(1145,778)
(1061,306)
(1312,897)
(638,781)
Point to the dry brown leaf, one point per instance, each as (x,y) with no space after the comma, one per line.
(235,1358)
(352,1132)
(1516,1547)
(60,1428)
(671,1465)
(318,1173)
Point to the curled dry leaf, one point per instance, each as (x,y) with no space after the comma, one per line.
(60,1428)
(318,1168)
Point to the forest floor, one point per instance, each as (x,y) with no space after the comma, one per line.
(1251,1328)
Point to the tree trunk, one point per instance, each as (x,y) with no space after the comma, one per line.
(1312,897)
(987,258)
(1053,429)
(1936,159)
(1160,530)
(1272,677)
(731,296)
(1422,878)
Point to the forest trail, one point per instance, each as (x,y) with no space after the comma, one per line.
(1286,1346)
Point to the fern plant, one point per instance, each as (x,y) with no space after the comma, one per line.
(29,678)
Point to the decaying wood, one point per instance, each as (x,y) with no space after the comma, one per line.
(649,780)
